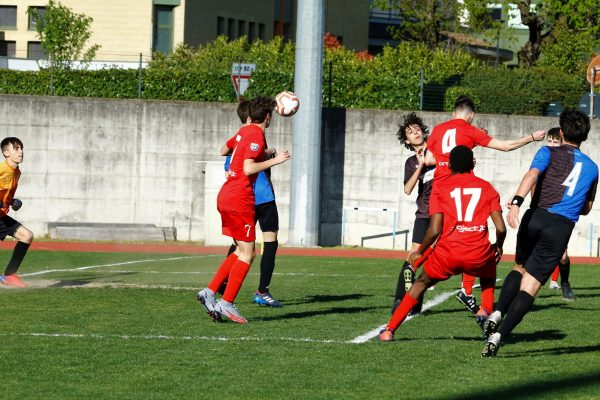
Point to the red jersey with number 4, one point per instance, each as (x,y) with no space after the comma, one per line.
(446,136)
(237,193)
(466,202)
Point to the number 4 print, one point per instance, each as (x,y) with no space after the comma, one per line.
(449,141)
(572,179)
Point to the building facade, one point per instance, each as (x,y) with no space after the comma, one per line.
(127,29)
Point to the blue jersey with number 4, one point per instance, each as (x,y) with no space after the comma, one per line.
(567,181)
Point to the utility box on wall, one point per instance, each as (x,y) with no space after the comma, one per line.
(214,179)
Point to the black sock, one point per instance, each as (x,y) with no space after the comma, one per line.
(518,308)
(565,269)
(510,288)
(401,286)
(267,265)
(16,259)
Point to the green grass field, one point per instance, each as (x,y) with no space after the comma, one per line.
(127,326)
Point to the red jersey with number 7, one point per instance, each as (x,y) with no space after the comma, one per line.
(237,192)
(466,202)
(446,136)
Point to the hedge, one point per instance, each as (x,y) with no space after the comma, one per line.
(391,80)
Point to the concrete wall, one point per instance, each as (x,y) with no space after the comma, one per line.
(133,161)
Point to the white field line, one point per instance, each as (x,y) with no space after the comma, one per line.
(430,304)
(107,265)
(169,337)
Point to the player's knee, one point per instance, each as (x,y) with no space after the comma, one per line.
(24,235)
(519,268)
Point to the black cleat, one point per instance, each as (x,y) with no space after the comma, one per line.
(468,301)
(567,292)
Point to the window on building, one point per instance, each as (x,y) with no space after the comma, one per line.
(261,31)
(32,19)
(163,29)
(241,28)
(220,26)
(231,28)
(34,51)
(7,48)
(251,31)
(8,17)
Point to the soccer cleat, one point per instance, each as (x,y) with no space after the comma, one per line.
(554,285)
(207,298)
(14,281)
(468,301)
(386,335)
(229,310)
(481,316)
(492,323)
(567,292)
(265,299)
(491,346)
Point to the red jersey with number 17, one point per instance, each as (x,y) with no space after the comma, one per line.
(446,136)
(466,202)
(236,193)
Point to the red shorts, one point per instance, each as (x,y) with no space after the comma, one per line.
(240,225)
(442,264)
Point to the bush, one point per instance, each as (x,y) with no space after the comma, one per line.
(526,91)
(391,80)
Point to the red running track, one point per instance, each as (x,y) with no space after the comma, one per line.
(198,249)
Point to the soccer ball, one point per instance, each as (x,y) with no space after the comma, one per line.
(287,104)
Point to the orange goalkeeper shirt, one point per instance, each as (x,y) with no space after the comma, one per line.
(9,180)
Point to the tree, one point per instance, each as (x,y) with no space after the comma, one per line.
(63,34)
(547,21)
(422,20)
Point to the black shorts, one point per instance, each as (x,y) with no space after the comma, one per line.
(419,228)
(8,227)
(267,216)
(541,241)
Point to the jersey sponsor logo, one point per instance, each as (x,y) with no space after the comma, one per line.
(238,138)
(476,228)
(443,164)
(254,146)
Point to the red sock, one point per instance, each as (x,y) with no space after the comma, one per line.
(235,280)
(467,283)
(487,293)
(401,312)
(222,273)
(555,274)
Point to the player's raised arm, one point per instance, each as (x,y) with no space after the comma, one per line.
(508,145)
(410,184)
(253,167)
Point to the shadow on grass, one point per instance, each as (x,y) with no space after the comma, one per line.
(324,298)
(87,280)
(550,334)
(556,351)
(314,313)
(533,389)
